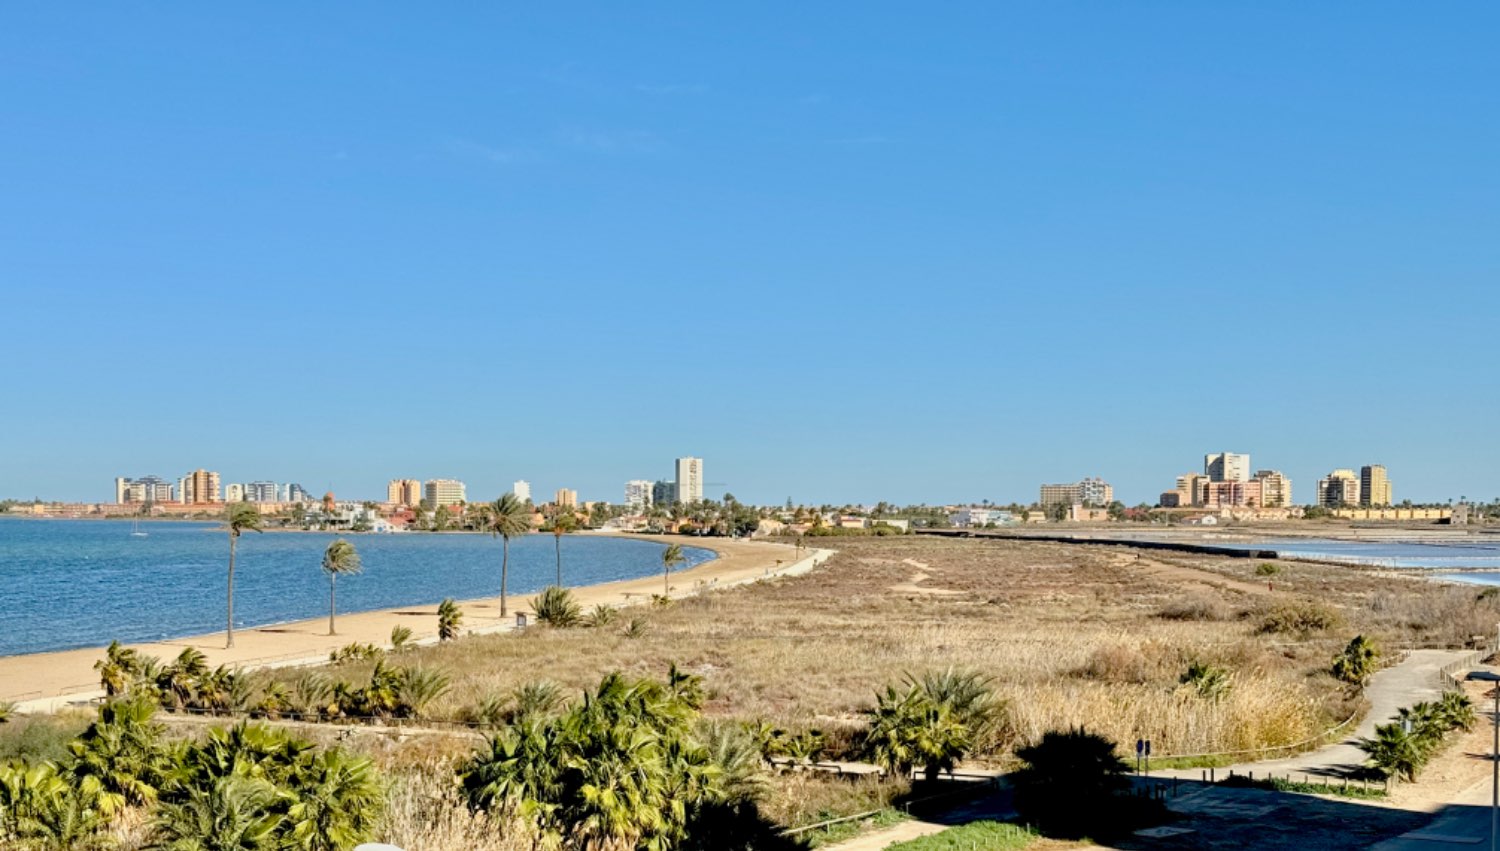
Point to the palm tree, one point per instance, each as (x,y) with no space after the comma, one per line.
(670,559)
(506,518)
(449,619)
(339,558)
(562,524)
(239,517)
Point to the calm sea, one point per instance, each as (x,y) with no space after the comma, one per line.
(80,583)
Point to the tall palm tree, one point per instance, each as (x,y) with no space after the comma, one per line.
(505,518)
(670,558)
(239,517)
(339,558)
(562,524)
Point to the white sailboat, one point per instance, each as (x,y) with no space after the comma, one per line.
(135,529)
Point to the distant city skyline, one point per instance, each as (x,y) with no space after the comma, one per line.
(939,257)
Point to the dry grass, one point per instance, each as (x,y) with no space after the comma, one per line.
(1070,635)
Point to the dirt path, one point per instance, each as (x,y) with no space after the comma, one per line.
(1180,576)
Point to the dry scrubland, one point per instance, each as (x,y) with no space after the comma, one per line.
(1070,635)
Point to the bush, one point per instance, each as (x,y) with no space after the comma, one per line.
(602,615)
(1266,568)
(1073,784)
(1299,617)
(556,607)
(1211,682)
(1357,661)
(1196,609)
(1402,748)
(400,639)
(355,652)
(450,617)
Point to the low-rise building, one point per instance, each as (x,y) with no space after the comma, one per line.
(973,518)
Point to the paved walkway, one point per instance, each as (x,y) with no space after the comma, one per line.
(1412,680)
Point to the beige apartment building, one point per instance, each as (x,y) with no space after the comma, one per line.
(1091,491)
(565,498)
(444,492)
(407,492)
(1275,489)
(199,487)
(1227,467)
(1339,488)
(1374,486)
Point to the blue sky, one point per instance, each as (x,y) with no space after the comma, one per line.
(844,252)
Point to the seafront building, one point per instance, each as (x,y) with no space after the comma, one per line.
(142,491)
(296,493)
(565,498)
(1374,486)
(440,492)
(405,492)
(1093,492)
(1275,489)
(261,491)
(689,480)
(1338,489)
(663,492)
(234,492)
(638,494)
(200,487)
(1227,467)
(522,490)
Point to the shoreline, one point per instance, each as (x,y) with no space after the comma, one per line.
(50,680)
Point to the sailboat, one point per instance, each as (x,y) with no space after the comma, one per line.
(135,529)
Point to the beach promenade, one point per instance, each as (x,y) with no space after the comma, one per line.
(45,682)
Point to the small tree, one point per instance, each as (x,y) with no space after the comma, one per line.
(556,607)
(339,559)
(1356,662)
(449,619)
(670,558)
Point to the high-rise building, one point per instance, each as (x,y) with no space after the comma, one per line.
(1374,485)
(565,498)
(199,487)
(1339,488)
(1227,467)
(522,490)
(407,492)
(234,492)
(444,492)
(1091,492)
(663,492)
(638,494)
(296,493)
(147,489)
(1275,489)
(261,492)
(1190,489)
(689,480)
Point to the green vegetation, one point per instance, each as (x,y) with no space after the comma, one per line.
(1299,617)
(450,618)
(1211,682)
(931,722)
(562,523)
(239,517)
(506,518)
(400,639)
(1073,785)
(1358,790)
(1356,662)
(340,559)
(556,607)
(978,836)
(626,767)
(1267,568)
(1402,747)
(670,558)
(248,787)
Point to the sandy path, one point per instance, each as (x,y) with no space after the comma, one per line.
(47,681)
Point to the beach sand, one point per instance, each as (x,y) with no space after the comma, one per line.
(44,682)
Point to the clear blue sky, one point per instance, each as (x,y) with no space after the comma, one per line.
(844,252)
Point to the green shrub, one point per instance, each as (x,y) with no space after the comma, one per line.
(1356,662)
(602,615)
(400,639)
(556,607)
(1299,617)
(1073,785)
(1211,682)
(450,618)
(1402,748)
(1266,568)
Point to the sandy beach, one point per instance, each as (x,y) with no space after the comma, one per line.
(48,681)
